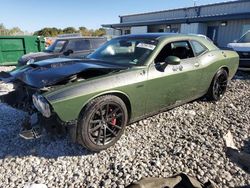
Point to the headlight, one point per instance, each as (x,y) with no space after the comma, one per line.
(30,61)
(41,105)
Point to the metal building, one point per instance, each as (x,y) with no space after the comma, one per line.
(222,22)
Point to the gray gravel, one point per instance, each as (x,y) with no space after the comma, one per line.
(186,139)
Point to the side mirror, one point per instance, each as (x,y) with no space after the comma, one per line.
(235,41)
(173,60)
(68,52)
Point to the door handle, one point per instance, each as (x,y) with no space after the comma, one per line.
(197,64)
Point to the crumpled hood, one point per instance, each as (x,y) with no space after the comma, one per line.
(49,72)
(240,47)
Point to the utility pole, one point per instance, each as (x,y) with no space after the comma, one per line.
(195,2)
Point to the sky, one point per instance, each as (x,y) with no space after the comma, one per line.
(32,15)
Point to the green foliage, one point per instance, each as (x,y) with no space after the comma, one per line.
(12,31)
(53,32)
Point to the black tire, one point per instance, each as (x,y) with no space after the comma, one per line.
(218,86)
(106,115)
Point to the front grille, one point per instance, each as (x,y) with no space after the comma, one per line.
(244,54)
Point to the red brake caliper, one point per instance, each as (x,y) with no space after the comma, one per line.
(113,120)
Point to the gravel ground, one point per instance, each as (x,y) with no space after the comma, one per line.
(186,139)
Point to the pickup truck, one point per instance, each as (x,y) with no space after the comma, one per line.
(242,47)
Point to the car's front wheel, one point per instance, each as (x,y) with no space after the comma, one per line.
(102,123)
(218,86)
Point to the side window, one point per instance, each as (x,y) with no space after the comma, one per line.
(59,45)
(96,43)
(181,49)
(78,45)
(198,48)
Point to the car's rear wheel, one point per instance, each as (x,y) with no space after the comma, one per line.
(218,86)
(102,123)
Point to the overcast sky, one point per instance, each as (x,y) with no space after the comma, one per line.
(32,15)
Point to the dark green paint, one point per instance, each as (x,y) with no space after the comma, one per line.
(148,89)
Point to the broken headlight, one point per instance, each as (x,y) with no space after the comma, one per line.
(41,105)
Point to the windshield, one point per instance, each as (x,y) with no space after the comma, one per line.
(245,38)
(57,46)
(125,51)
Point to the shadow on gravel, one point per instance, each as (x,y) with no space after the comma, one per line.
(242,75)
(241,157)
(48,146)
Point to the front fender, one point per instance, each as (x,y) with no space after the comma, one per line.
(68,101)
(69,109)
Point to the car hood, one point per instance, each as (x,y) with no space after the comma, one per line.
(241,47)
(35,55)
(52,71)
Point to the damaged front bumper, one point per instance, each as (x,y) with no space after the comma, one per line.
(27,99)
(40,115)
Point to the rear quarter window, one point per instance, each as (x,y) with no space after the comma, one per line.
(198,48)
(79,45)
(96,43)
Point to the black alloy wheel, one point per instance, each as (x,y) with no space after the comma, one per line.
(102,122)
(218,86)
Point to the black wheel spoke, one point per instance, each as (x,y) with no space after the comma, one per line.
(107,111)
(118,115)
(95,128)
(99,136)
(113,112)
(116,126)
(112,132)
(104,135)
(95,121)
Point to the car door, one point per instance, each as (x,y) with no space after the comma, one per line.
(176,83)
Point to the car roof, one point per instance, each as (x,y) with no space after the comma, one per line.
(149,35)
(87,37)
(162,36)
(155,36)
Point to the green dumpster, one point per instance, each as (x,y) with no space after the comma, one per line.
(13,47)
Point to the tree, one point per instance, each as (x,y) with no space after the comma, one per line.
(16,31)
(12,31)
(3,30)
(53,32)
(99,32)
(84,31)
(69,30)
(48,32)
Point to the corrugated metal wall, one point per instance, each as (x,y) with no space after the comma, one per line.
(172,14)
(216,9)
(232,8)
(232,31)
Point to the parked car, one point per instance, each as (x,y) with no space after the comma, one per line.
(127,79)
(65,46)
(242,47)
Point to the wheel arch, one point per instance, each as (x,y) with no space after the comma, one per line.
(225,68)
(123,96)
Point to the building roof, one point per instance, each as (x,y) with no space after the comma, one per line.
(199,6)
(217,17)
(203,13)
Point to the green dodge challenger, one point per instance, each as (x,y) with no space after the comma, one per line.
(125,80)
